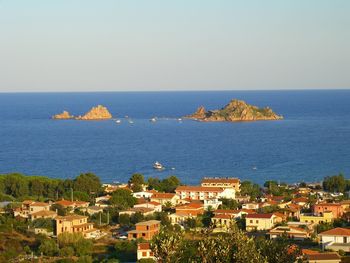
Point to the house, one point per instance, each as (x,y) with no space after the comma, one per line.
(204,193)
(28,207)
(164,198)
(73,224)
(292,211)
(223,182)
(212,203)
(43,214)
(101,199)
(145,230)
(317,257)
(144,251)
(302,201)
(291,232)
(336,208)
(253,206)
(142,210)
(336,239)
(190,210)
(327,217)
(72,204)
(91,210)
(261,221)
(143,194)
(222,220)
(157,207)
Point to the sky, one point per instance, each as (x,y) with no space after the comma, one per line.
(151,45)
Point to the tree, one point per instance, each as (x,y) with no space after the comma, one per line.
(250,189)
(122,199)
(48,247)
(336,183)
(88,183)
(229,204)
(83,247)
(166,246)
(137,179)
(124,220)
(16,185)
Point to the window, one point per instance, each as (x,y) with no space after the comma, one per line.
(257,221)
(251,221)
(144,254)
(143,234)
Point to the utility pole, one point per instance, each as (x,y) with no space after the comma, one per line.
(107,217)
(71,194)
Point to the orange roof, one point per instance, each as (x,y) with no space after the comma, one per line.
(309,252)
(328,204)
(259,215)
(27,202)
(141,200)
(163,195)
(248,211)
(339,231)
(220,180)
(81,203)
(324,256)
(65,203)
(199,188)
(190,206)
(143,246)
(71,217)
(153,203)
(300,200)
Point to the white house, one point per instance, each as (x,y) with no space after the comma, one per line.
(336,239)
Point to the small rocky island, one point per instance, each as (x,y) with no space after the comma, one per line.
(236,110)
(96,113)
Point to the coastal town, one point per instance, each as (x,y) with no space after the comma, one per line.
(311,219)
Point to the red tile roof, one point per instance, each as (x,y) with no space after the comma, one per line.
(162,196)
(259,215)
(190,206)
(324,256)
(144,246)
(328,204)
(336,232)
(199,188)
(39,204)
(226,211)
(220,180)
(221,216)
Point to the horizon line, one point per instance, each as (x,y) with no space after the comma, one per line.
(154,91)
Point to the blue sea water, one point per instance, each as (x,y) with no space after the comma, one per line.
(312,141)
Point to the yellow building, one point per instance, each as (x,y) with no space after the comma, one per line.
(256,222)
(327,217)
(73,224)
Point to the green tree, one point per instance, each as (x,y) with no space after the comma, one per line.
(83,247)
(48,247)
(336,183)
(122,199)
(167,246)
(137,179)
(88,183)
(250,189)
(124,220)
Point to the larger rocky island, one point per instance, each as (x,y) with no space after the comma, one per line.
(235,110)
(96,113)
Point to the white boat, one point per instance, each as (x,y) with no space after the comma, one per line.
(158,166)
(154,119)
(118,121)
(179,119)
(131,122)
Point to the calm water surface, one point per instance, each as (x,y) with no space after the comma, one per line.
(313,141)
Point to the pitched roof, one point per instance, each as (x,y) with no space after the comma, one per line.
(220,180)
(323,256)
(198,188)
(70,217)
(226,211)
(64,203)
(143,246)
(163,195)
(190,206)
(259,215)
(328,204)
(339,231)
(222,216)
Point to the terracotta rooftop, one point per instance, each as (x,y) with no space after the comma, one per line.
(198,188)
(220,180)
(323,256)
(259,215)
(143,246)
(226,211)
(147,223)
(64,203)
(328,204)
(163,195)
(190,206)
(336,232)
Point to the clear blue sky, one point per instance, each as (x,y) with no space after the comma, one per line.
(85,45)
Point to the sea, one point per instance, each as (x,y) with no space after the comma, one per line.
(313,140)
